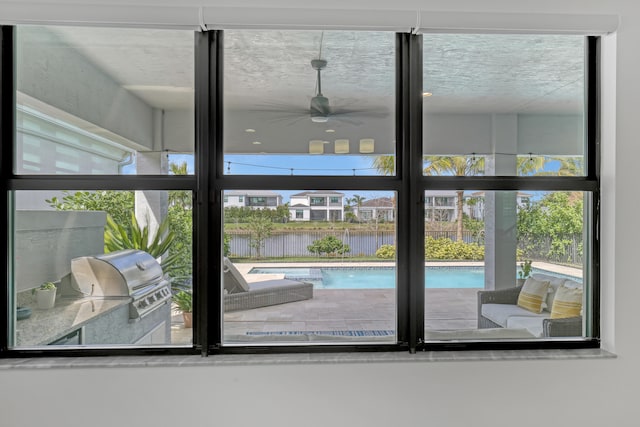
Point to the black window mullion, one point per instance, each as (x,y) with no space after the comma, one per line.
(414,192)
(592,132)
(206,299)
(7,125)
(102,182)
(508,183)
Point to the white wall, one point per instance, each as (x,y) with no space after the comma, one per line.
(525,393)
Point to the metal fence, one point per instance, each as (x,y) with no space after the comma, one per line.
(565,249)
(294,243)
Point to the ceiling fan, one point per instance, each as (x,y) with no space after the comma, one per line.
(320,109)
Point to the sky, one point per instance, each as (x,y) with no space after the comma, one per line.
(325,165)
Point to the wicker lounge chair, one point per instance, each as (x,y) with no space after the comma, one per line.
(240,295)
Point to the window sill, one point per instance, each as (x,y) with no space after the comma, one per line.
(301,358)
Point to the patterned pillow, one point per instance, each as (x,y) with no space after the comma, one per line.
(533,294)
(566,303)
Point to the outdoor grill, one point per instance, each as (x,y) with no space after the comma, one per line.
(121,274)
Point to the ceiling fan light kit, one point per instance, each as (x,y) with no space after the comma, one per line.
(341,146)
(367,145)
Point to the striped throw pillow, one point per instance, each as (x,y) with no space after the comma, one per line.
(533,295)
(566,303)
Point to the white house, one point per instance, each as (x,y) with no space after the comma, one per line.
(474,203)
(381,208)
(317,206)
(255,199)
(440,205)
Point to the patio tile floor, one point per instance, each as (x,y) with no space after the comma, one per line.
(347,310)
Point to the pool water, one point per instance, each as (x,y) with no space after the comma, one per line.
(386,278)
(382,277)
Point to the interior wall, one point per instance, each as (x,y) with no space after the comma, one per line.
(523,393)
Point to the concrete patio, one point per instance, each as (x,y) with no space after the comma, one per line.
(346,310)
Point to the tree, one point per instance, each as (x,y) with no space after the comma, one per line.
(456,166)
(557,218)
(260,226)
(358,200)
(179,197)
(530,165)
(117,204)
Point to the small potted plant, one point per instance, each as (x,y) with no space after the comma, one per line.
(525,272)
(46,295)
(184,303)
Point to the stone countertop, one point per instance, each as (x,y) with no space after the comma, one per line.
(68,314)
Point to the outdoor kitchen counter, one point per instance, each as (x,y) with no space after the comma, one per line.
(68,315)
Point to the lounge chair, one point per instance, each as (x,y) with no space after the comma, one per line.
(240,295)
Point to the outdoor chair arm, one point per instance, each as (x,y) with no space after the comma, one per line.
(501,296)
(567,327)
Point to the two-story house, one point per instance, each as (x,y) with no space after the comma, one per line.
(317,206)
(255,199)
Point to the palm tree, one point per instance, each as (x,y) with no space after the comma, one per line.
(455,166)
(530,165)
(179,197)
(358,200)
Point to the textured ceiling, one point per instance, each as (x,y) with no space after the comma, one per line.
(269,80)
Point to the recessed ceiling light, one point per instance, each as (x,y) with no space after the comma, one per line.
(250,130)
(256,142)
(427,94)
(326,142)
(330,130)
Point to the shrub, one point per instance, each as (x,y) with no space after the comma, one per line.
(330,245)
(386,252)
(447,249)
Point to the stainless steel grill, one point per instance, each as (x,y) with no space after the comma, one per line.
(126,273)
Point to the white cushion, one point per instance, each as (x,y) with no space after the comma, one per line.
(531,324)
(554,283)
(499,313)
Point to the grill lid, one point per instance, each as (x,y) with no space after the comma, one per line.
(126,273)
(121,273)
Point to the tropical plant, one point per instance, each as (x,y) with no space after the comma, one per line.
(525,269)
(116,237)
(183,301)
(330,245)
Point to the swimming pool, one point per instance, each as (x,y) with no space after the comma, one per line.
(382,277)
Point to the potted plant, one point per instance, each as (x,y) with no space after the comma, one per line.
(184,303)
(525,272)
(45,295)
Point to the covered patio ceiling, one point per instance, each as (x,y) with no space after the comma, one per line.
(269,80)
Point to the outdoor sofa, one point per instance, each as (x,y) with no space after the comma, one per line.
(241,295)
(499,309)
